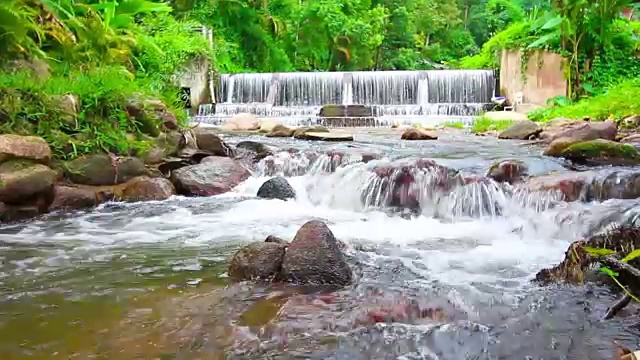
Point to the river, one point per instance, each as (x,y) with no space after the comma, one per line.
(148,281)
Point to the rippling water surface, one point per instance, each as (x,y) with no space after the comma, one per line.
(147,281)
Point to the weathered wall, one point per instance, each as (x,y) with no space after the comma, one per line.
(196,77)
(543,78)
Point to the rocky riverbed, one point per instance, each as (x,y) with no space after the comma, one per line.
(378,248)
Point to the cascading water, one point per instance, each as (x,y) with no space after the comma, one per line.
(149,280)
(299,96)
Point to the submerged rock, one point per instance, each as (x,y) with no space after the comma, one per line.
(253,149)
(21,180)
(602,152)
(242,122)
(280,130)
(101,170)
(521,130)
(589,185)
(276,188)
(510,171)
(395,185)
(300,132)
(24,147)
(418,134)
(326,136)
(258,261)
(569,184)
(314,257)
(145,189)
(214,175)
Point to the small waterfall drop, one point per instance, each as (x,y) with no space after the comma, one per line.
(391,94)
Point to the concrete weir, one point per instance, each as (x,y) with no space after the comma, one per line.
(361,98)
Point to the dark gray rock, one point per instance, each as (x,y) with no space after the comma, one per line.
(276,188)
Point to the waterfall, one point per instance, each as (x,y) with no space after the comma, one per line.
(300,95)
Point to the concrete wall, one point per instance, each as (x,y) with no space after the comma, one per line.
(195,76)
(543,78)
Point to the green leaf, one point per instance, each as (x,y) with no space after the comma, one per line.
(632,255)
(588,88)
(609,272)
(541,41)
(597,252)
(553,23)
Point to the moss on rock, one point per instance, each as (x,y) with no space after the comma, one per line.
(602,151)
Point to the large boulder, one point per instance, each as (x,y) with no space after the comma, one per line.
(602,152)
(73,198)
(521,130)
(214,175)
(510,171)
(579,130)
(21,180)
(209,142)
(418,134)
(26,147)
(314,257)
(242,122)
(101,169)
(258,261)
(145,189)
(276,188)
(280,130)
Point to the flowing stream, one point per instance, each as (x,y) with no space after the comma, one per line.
(147,280)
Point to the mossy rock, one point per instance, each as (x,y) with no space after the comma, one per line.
(21,180)
(602,152)
(100,170)
(16,165)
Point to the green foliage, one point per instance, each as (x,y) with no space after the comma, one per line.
(616,103)
(106,53)
(169,45)
(454,124)
(483,124)
(513,37)
(33,106)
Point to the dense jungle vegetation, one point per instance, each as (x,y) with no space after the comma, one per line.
(107,52)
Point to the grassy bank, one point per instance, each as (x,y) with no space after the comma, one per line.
(71,72)
(483,124)
(617,103)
